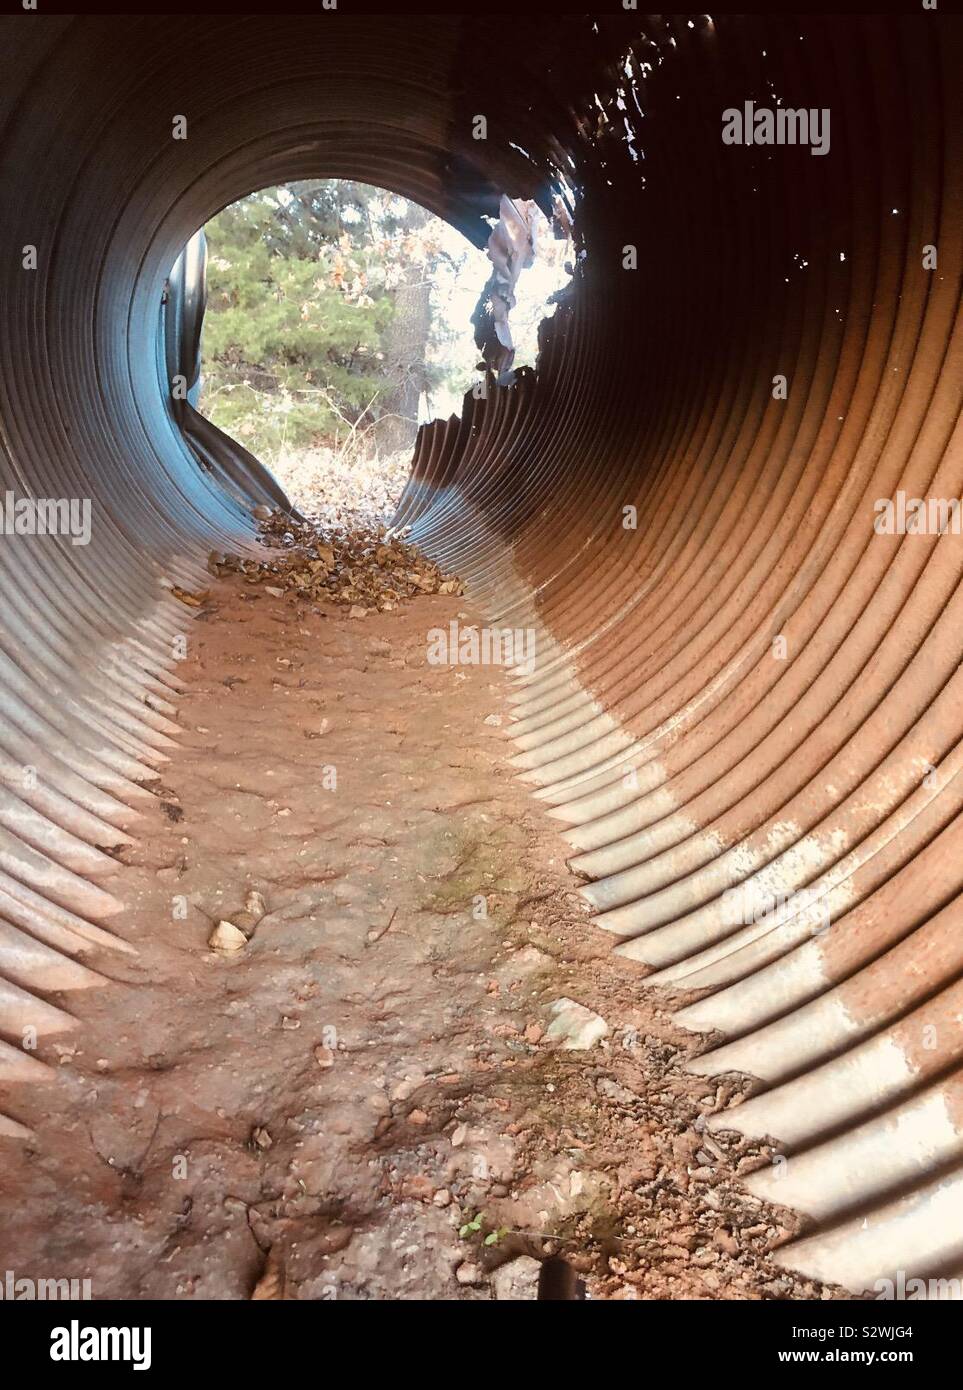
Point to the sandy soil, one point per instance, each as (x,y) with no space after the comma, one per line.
(361,1097)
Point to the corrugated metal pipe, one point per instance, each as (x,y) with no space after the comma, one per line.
(727,502)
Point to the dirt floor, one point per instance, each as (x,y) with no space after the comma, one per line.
(361,1101)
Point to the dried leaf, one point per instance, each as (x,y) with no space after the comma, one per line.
(227,938)
(192,600)
(272,1283)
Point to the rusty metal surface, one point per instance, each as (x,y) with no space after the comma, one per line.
(746,711)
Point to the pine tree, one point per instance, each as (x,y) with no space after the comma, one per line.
(318,317)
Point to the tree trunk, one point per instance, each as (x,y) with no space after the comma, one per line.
(406,342)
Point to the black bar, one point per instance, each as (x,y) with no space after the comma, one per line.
(281,1339)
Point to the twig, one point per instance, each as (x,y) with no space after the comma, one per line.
(375,936)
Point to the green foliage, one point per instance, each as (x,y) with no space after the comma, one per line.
(475,1224)
(301,287)
(494,1237)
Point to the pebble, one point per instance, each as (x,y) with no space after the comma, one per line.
(574,1026)
(518,1279)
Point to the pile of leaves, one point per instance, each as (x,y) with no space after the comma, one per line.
(367,569)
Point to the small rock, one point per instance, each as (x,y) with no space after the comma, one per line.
(290,1024)
(494,720)
(261,512)
(517,1279)
(274,591)
(356,611)
(442,1197)
(335,1238)
(527,959)
(458,1135)
(324,1056)
(262,1137)
(418,1117)
(468,1273)
(725,1241)
(418,1187)
(255,904)
(533,1033)
(574,1026)
(613,1091)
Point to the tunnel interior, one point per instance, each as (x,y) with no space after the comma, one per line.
(746,691)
